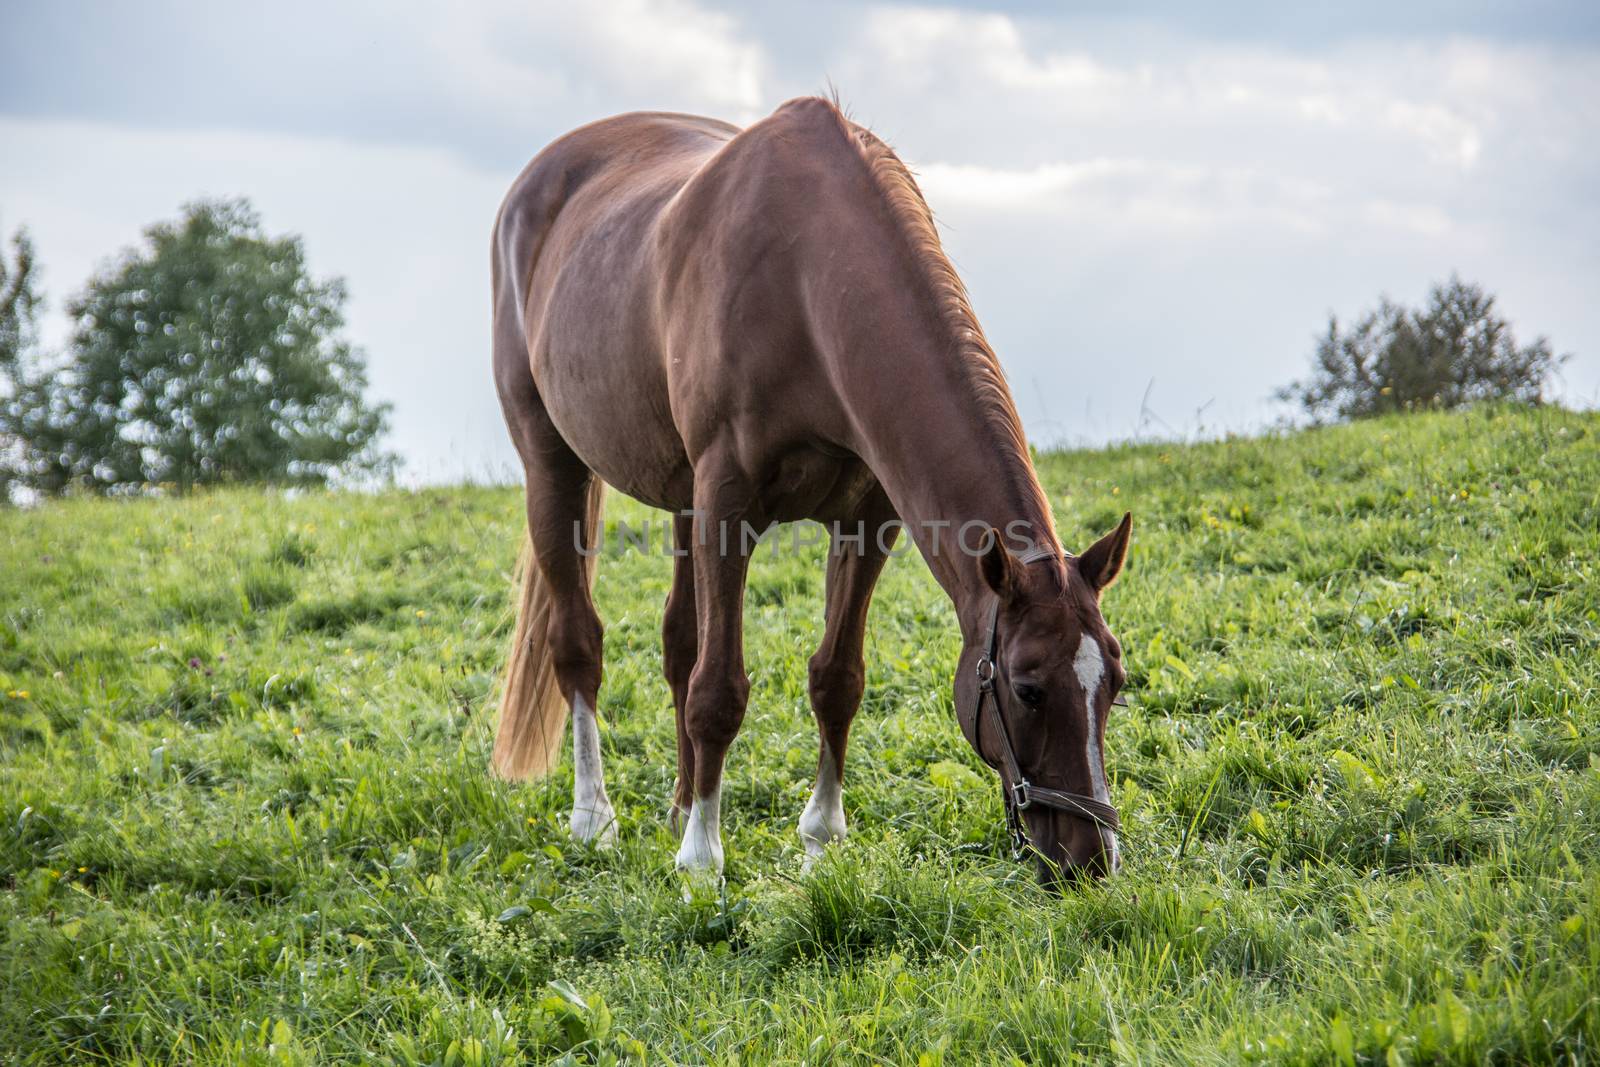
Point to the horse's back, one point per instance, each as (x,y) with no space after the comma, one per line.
(607,170)
(572,245)
(654,264)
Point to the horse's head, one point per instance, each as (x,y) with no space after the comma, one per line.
(1033,691)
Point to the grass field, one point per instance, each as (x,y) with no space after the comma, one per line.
(245,815)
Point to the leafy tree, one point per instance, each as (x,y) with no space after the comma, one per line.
(19,305)
(19,311)
(208,355)
(1455,351)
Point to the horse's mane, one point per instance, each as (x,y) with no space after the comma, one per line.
(916,224)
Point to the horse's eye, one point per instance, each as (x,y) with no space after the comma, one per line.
(1030,695)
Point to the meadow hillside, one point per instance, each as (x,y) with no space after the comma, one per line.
(245,815)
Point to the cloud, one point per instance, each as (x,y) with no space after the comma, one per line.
(666,49)
(1169,199)
(1187,210)
(493,79)
(1166,199)
(994,83)
(930,43)
(647,45)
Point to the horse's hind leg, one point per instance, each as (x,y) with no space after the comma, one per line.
(838,669)
(563,499)
(679,643)
(561,519)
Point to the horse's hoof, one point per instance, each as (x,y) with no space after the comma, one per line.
(595,826)
(700,883)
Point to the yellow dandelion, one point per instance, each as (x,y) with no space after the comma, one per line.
(421,614)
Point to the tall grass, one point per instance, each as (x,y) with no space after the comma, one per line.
(245,814)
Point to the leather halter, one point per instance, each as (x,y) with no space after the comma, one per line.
(1019,793)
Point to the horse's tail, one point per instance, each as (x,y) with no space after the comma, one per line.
(533,711)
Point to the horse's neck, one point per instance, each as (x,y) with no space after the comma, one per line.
(949,460)
(950,497)
(925,405)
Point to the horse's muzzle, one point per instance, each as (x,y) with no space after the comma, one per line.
(1068,849)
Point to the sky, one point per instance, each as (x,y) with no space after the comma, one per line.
(1156,207)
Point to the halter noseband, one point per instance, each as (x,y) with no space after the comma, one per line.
(1019,793)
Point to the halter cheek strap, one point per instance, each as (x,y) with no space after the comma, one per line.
(1019,793)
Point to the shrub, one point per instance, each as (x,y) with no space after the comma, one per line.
(1455,351)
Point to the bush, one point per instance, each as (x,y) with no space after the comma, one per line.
(1455,351)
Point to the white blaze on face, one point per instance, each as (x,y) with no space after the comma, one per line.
(592,816)
(1090,667)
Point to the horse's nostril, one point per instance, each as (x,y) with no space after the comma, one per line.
(1050,875)
(1059,876)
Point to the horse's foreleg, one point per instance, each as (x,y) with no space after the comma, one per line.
(838,669)
(718,687)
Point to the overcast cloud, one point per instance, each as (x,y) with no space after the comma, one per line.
(1159,202)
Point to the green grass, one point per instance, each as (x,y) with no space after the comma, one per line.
(245,816)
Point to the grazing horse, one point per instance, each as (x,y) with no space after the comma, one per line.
(748,326)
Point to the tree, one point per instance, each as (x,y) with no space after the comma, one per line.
(19,312)
(208,355)
(19,305)
(1455,351)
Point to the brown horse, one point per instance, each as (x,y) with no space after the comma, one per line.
(755,326)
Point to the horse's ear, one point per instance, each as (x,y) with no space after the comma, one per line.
(996,565)
(1101,564)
